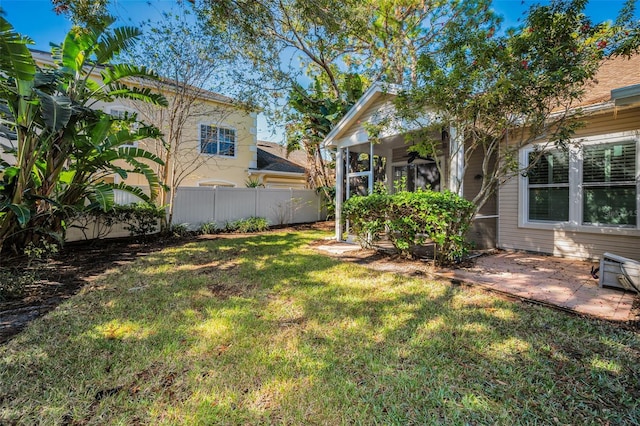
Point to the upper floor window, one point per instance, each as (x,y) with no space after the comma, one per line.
(217,140)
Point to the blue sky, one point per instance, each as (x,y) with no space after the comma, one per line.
(36,19)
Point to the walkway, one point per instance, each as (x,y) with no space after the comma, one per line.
(551,280)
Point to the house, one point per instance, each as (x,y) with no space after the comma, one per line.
(217,145)
(362,160)
(275,169)
(578,204)
(586,203)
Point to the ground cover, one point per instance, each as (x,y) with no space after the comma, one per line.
(263,329)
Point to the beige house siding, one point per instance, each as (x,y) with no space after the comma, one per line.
(371,114)
(213,169)
(566,242)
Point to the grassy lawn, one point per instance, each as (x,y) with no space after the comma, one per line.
(265,330)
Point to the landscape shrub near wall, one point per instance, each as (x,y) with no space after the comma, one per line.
(140,219)
(411,218)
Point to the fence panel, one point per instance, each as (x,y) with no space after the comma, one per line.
(194,206)
(275,205)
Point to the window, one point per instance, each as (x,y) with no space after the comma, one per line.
(609,184)
(594,184)
(548,186)
(417,176)
(217,140)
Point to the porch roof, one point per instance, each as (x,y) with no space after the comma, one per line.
(369,97)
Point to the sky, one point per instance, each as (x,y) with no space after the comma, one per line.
(36,19)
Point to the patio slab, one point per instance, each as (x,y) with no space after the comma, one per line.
(561,282)
(566,283)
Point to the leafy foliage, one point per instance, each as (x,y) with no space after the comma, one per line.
(412,218)
(251,224)
(60,147)
(504,90)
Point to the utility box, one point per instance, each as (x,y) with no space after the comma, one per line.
(619,272)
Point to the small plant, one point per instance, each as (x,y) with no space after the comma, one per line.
(252,224)
(181,230)
(253,183)
(41,251)
(14,281)
(208,228)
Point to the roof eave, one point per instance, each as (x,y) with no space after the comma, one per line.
(358,108)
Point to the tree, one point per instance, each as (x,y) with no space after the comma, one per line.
(190,60)
(327,42)
(83,12)
(504,92)
(313,114)
(59,148)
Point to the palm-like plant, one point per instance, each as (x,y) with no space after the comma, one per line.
(60,148)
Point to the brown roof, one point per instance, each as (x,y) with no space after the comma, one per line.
(298,157)
(613,74)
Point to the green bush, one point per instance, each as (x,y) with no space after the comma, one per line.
(412,218)
(252,224)
(208,228)
(366,215)
(181,230)
(139,219)
(14,281)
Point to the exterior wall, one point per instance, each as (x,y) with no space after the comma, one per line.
(213,169)
(284,182)
(561,241)
(373,113)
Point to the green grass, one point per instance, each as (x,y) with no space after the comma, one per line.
(265,330)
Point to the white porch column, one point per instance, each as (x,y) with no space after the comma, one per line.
(370,167)
(456,160)
(339,192)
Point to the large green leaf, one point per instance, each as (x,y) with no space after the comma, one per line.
(149,174)
(102,194)
(56,110)
(118,72)
(133,152)
(144,94)
(111,44)
(22,213)
(15,58)
(138,192)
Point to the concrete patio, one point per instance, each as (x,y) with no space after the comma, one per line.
(560,282)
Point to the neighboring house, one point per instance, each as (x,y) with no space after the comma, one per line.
(275,169)
(577,205)
(218,146)
(362,161)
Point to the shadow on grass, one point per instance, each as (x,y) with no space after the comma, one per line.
(260,330)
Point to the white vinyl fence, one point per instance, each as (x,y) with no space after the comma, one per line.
(221,205)
(196,206)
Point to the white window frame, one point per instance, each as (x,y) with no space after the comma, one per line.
(218,126)
(575,187)
(122,108)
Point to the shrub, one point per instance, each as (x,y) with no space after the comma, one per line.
(208,228)
(181,230)
(366,215)
(140,219)
(252,224)
(14,281)
(411,218)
